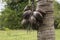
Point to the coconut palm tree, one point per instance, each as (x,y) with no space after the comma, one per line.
(46,30)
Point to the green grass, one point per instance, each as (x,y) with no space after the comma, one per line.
(22,35)
(57,34)
(18,35)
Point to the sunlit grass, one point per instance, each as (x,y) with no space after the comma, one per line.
(18,35)
(57,34)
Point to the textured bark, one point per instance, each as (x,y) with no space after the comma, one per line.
(46,30)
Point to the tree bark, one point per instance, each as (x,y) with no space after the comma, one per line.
(46,30)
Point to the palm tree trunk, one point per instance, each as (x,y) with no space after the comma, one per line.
(46,31)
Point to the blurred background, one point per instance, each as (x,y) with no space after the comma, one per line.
(10,20)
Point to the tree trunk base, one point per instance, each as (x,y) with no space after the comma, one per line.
(46,31)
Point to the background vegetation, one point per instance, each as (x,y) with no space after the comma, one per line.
(57,14)
(12,15)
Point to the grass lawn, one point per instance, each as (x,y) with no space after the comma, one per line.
(57,34)
(22,35)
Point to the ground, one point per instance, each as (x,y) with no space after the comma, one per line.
(22,35)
